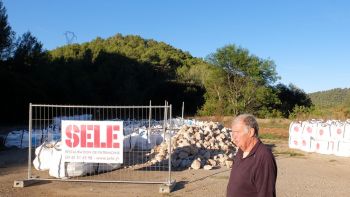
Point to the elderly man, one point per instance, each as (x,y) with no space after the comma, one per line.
(254,171)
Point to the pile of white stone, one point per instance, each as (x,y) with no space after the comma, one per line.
(206,146)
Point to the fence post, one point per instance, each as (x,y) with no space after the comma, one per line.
(182,111)
(30,143)
(170,185)
(149,122)
(165,119)
(30,180)
(169,146)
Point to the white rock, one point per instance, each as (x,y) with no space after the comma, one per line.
(229,163)
(187,135)
(198,145)
(198,136)
(208,167)
(222,136)
(222,160)
(159,158)
(153,161)
(184,143)
(196,164)
(231,155)
(212,162)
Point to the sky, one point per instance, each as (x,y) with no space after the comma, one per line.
(308,40)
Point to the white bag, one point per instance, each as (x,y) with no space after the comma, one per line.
(309,129)
(323,132)
(57,168)
(321,146)
(343,149)
(306,144)
(347,131)
(337,130)
(294,142)
(295,129)
(44,156)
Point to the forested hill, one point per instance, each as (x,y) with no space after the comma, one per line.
(129,70)
(161,56)
(331,98)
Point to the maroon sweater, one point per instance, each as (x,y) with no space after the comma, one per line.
(254,175)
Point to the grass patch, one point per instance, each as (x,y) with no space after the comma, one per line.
(332,160)
(290,153)
(270,136)
(274,123)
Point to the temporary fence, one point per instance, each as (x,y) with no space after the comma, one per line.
(98,143)
(324,137)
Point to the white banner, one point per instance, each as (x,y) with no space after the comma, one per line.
(92,141)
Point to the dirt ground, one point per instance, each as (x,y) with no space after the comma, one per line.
(299,174)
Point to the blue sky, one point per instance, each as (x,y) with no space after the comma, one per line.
(308,40)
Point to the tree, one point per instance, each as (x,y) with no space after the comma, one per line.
(28,52)
(291,96)
(245,84)
(6,34)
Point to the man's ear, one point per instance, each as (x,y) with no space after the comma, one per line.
(251,132)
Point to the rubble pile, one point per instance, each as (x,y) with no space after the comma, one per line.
(207,146)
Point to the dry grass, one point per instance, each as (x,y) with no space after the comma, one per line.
(289,153)
(269,128)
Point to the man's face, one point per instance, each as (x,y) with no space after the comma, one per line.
(240,136)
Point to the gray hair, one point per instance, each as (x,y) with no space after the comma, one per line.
(249,121)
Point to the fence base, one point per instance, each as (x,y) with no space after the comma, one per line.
(24,183)
(167,188)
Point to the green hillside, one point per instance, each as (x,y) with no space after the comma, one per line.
(331,98)
(159,55)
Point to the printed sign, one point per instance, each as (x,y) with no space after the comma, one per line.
(92,141)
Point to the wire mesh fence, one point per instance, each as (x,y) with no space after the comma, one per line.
(143,129)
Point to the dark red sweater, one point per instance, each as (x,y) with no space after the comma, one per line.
(254,175)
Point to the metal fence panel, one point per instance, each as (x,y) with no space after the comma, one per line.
(144,128)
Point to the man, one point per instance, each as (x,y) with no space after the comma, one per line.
(254,171)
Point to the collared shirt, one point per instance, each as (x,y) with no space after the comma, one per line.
(254,175)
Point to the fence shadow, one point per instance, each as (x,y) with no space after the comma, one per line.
(180,185)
